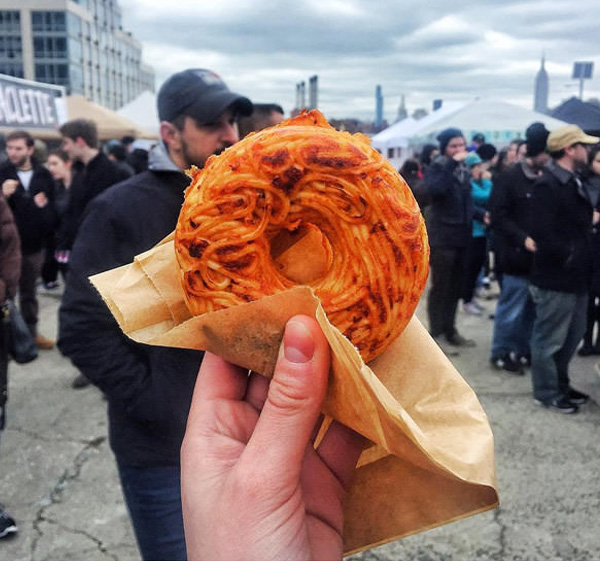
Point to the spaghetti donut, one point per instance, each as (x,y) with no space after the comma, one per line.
(332,193)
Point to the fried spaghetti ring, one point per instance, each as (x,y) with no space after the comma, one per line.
(367,252)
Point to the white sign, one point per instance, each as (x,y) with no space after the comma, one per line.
(25,104)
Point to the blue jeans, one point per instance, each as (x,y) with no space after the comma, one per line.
(514,317)
(153,498)
(559,326)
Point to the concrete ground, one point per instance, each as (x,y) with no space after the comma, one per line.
(58,479)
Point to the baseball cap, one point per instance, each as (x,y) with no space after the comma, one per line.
(565,136)
(198,93)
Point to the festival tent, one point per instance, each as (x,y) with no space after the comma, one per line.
(393,142)
(581,113)
(142,111)
(110,124)
(500,122)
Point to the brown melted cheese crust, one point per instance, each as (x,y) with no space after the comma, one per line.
(367,259)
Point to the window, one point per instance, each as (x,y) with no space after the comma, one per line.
(390,152)
(10,47)
(10,22)
(50,47)
(12,69)
(52,74)
(48,21)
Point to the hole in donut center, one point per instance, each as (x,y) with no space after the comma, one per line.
(302,256)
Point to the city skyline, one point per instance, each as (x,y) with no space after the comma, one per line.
(424,52)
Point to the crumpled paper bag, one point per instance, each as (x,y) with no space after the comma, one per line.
(432,461)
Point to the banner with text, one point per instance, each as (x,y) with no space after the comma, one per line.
(30,105)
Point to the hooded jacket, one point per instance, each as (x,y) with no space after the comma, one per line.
(148,388)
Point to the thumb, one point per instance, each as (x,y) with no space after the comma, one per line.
(294,400)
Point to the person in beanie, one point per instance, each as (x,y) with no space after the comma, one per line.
(449,228)
(148,389)
(562,268)
(512,213)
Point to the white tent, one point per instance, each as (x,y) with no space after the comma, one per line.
(394,141)
(142,111)
(500,122)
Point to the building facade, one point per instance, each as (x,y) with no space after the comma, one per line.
(78,44)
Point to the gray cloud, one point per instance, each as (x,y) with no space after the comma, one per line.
(424,50)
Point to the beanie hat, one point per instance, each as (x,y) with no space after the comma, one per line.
(446,136)
(536,137)
(472,159)
(487,152)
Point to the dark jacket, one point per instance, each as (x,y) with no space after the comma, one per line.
(512,211)
(451,209)
(562,232)
(148,388)
(592,184)
(35,224)
(88,182)
(10,253)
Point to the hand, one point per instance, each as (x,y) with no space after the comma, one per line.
(40,199)
(530,245)
(460,156)
(595,217)
(487,218)
(253,485)
(9,186)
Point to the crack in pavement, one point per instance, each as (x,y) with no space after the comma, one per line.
(43,438)
(56,492)
(502,536)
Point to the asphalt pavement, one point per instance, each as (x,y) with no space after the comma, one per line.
(58,478)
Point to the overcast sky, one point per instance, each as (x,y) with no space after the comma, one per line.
(455,50)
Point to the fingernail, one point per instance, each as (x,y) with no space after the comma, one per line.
(298,343)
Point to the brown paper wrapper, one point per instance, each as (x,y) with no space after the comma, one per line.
(433,458)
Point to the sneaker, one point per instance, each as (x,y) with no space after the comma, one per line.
(457,340)
(507,362)
(43,343)
(559,404)
(471,308)
(576,397)
(524,360)
(80,382)
(7,525)
(586,350)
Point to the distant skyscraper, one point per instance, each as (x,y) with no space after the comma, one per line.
(540,99)
(378,106)
(402,112)
(313,90)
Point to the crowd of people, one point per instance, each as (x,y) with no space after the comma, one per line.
(526,215)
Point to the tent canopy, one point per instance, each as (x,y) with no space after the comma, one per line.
(110,124)
(399,134)
(500,122)
(581,113)
(142,111)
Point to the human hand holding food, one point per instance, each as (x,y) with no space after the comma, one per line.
(253,484)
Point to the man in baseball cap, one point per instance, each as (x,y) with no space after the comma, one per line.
(148,389)
(198,115)
(562,267)
(569,136)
